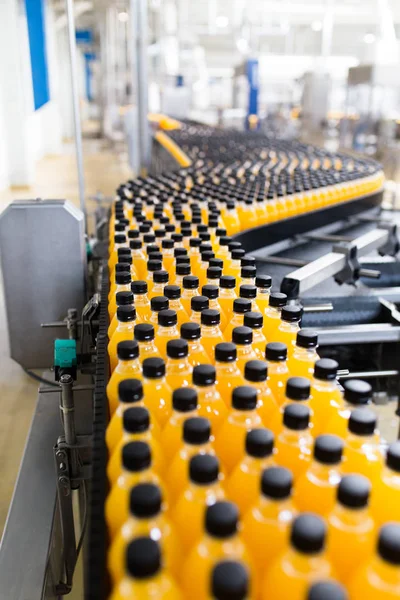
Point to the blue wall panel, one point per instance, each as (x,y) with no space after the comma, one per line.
(37,44)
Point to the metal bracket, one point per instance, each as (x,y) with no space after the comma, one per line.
(392,246)
(64,491)
(352,271)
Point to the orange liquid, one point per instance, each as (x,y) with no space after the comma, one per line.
(272,320)
(267,407)
(143,310)
(230,439)
(234,320)
(293,450)
(376,580)
(176,305)
(114,465)
(243,486)
(172,434)
(157,398)
(177,473)
(228,377)
(159,587)
(302,361)
(211,335)
(385,499)
(286,333)
(147,349)
(226,298)
(164,334)
(115,429)
(186,298)
(179,372)
(326,400)
(316,489)
(245,352)
(197,354)
(112,304)
(278,374)
(125,369)
(363,455)
(259,343)
(276,421)
(211,406)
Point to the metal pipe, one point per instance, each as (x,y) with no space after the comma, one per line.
(281,260)
(326,307)
(138,9)
(75,103)
(67,407)
(368,374)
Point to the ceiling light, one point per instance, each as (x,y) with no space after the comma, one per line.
(123,17)
(369,38)
(222,21)
(316,26)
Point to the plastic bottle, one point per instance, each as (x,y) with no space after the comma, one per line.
(302,564)
(144,335)
(191,332)
(255,375)
(263,285)
(233,268)
(327,590)
(157,303)
(213,274)
(138,258)
(297,391)
(135,427)
(122,299)
(228,373)
(255,321)
(136,468)
(181,270)
(288,327)
(304,356)
(178,368)
(206,256)
(278,372)
(357,393)
(221,539)
(157,393)
(197,305)
(316,489)
(227,294)
(243,486)
(249,292)
(126,317)
(294,444)
(248,275)
(184,405)
(242,337)
(266,525)
(203,489)
(167,330)
(385,499)
(167,246)
(379,577)
(120,267)
(128,367)
(153,265)
(326,397)
(230,580)
(211,334)
(173,293)
(145,578)
(362,452)
(141,301)
(160,279)
(351,530)
(210,403)
(122,284)
(190,285)
(230,438)
(240,307)
(272,315)
(194,254)
(212,293)
(120,241)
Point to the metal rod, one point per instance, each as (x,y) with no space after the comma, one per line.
(368,374)
(75,103)
(139,11)
(281,260)
(327,307)
(68,412)
(326,238)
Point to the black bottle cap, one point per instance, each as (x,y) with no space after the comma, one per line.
(153,368)
(247,291)
(130,390)
(237,254)
(139,287)
(214,272)
(167,243)
(362,421)
(183,260)
(389,543)
(248,272)
(143,332)
(203,469)
(143,558)
(248,261)
(227,282)
(119,238)
(242,335)
(244,397)
(172,292)
(124,251)
(126,313)
(183,269)
(123,266)
(308,533)
(128,350)
(167,318)
(222,519)
(180,252)
(136,456)
(354,491)
(393,456)
(327,590)
(357,391)
(154,265)
(159,303)
(199,303)
(256,370)
(178,348)
(160,276)
(296,416)
(136,419)
(194,242)
(253,319)
(328,449)
(298,388)
(122,277)
(225,352)
(241,305)
(277,299)
(306,338)
(190,282)
(184,399)
(326,369)
(196,430)
(210,291)
(204,375)
(210,317)
(259,442)
(263,281)
(190,331)
(230,581)
(291,313)
(145,500)
(276,351)
(123,298)
(135,244)
(217,262)
(276,482)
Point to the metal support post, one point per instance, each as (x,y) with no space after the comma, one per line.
(68,413)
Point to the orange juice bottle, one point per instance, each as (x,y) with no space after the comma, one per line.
(135,426)
(230,438)
(120,267)
(357,393)
(173,293)
(304,355)
(327,590)
(255,375)
(248,275)
(211,405)
(304,562)
(146,518)
(272,315)
(326,397)
(130,393)
(126,317)
(243,486)
(121,299)
(194,254)
(145,578)
(184,405)
(213,274)
(157,303)
(227,295)
(206,256)
(197,305)
(153,265)
(144,335)
(167,248)
(278,372)
(386,492)
(181,270)
(230,579)
(242,337)
(212,293)
(266,525)
(160,279)
(178,368)
(191,332)
(231,218)
(362,452)
(316,488)
(204,488)
(138,258)
(288,327)
(157,393)
(221,539)
(263,285)
(249,292)
(228,373)
(211,334)
(120,241)
(351,529)
(136,468)
(167,330)
(141,300)
(122,284)
(294,443)
(255,321)
(240,307)
(379,577)
(128,367)
(297,391)
(233,268)
(190,285)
